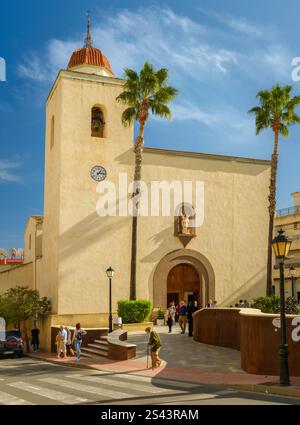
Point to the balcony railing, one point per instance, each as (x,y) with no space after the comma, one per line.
(288,211)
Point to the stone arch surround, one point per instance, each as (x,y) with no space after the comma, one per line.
(182,256)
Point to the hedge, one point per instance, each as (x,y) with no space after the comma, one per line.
(134,311)
(272,305)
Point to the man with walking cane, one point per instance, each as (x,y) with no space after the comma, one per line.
(155,344)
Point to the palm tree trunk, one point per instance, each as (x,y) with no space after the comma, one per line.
(138,150)
(272,208)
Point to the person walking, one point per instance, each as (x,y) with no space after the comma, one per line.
(70,351)
(63,341)
(182,316)
(190,310)
(170,317)
(35,332)
(77,339)
(155,343)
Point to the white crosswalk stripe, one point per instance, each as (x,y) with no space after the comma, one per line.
(154,381)
(51,394)
(102,391)
(129,385)
(9,399)
(21,365)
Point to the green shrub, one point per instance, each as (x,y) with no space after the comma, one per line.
(160,314)
(267,304)
(134,311)
(272,304)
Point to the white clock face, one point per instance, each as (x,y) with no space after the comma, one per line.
(98,173)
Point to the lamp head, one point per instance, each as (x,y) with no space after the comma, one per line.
(110,272)
(281,245)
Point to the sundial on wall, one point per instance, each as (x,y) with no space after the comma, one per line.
(98,173)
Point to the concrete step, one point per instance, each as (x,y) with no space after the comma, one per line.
(103,347)
(94,351)
(89,356)
(100,343)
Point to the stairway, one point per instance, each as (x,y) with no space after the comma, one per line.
(98,348)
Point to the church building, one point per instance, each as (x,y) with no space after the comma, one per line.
(87,149)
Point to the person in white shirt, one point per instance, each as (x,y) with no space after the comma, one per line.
(63,341)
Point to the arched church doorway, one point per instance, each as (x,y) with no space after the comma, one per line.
(163,284)
(183,283)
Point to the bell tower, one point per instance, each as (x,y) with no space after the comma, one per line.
(84,134)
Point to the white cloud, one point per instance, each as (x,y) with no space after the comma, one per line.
(5,174)
(237,127)
(196,55)
(129,38)
(238,24)
(189,112)
(242,26)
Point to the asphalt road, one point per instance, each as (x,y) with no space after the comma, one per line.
(26,381)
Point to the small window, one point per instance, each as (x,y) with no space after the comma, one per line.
(52,133)
(97,123)
(29,241)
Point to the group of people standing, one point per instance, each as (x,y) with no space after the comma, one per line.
(242,304)
(184,314)
(66,342)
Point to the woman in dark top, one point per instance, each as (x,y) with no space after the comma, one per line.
(35,337)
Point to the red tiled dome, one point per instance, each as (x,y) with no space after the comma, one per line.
(89,56)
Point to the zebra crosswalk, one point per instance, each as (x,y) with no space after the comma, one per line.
(52,394)
(99,387)
(9,399)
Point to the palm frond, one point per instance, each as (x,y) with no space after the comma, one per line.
(128,98)
(128,116)
(148,81)
(146,89)
(283,129)
(161,110)
(276,106)
(165,94)
(162,76)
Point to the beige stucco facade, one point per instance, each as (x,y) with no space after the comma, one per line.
(229,251)
(19,275)
(288,219)
(78,245)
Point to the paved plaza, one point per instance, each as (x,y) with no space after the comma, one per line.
(184,360)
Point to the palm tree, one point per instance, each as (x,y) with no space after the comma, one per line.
(277,112)
(143,93)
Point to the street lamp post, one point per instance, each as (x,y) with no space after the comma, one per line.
(293,274)
(110,274)
(281,247)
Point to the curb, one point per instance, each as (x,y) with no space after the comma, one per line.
(47,360)
(267,389)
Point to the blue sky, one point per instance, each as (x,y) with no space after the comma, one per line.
(219,53)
